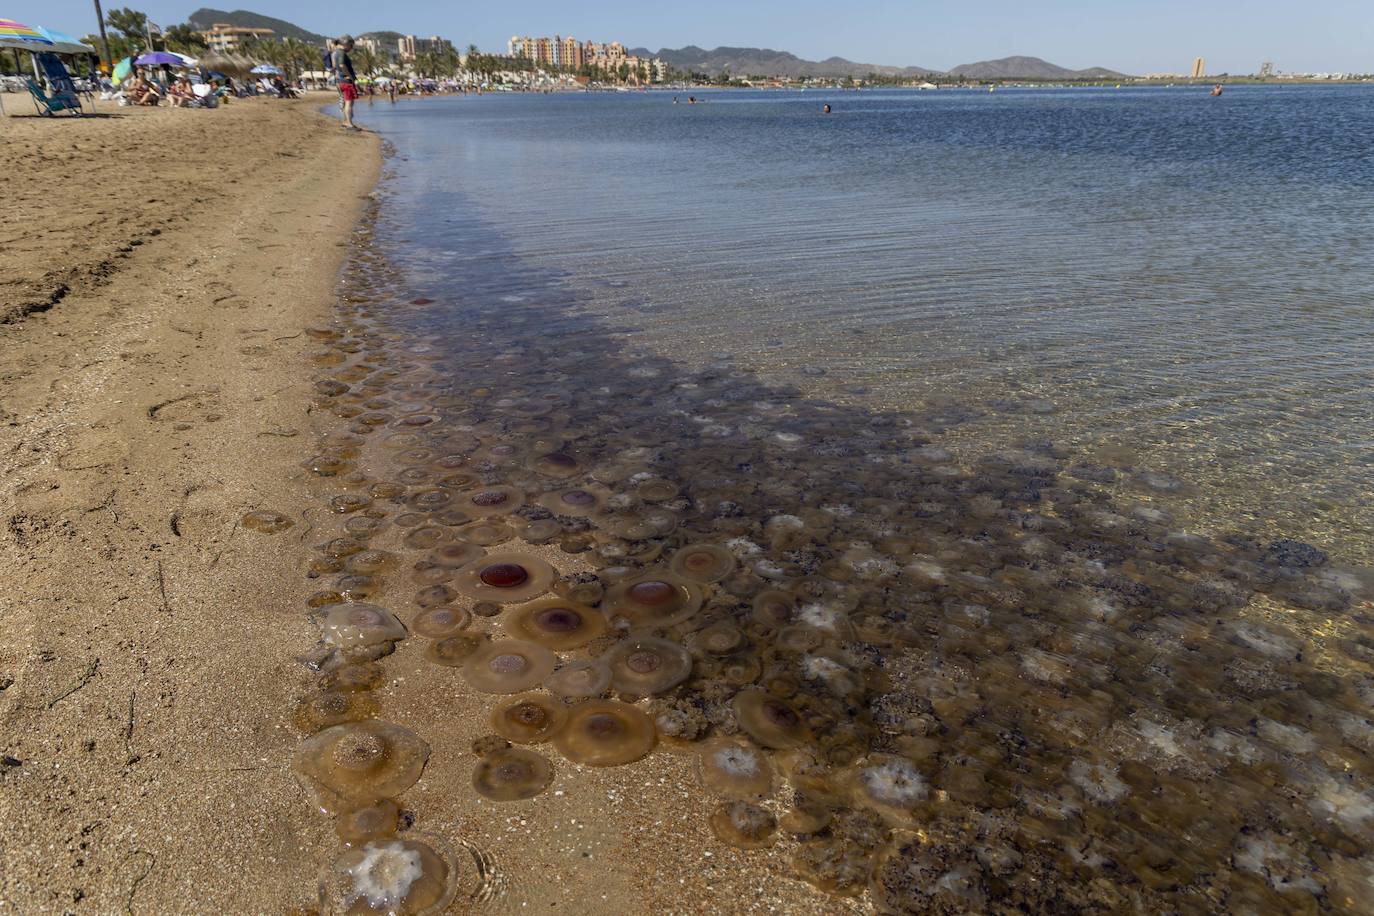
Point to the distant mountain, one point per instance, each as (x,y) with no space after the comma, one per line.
(767,62)
(204,18)
(1031,68)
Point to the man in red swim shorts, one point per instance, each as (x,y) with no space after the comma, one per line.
(348,80)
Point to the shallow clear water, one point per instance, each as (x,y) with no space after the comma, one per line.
(945,500)
(1192,278)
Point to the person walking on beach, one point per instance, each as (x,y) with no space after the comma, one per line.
(342,65)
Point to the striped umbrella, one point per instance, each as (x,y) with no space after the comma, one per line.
(17,35)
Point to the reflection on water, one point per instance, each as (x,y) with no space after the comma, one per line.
(947,681)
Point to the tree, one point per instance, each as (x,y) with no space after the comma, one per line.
(184,38)
(128,22)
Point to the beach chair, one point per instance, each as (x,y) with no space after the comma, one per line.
(61,82)
(52,104)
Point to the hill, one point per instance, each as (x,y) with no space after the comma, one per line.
(204,18)
(767,62)
(1032,68)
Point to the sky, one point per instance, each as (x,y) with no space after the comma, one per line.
(1133,36)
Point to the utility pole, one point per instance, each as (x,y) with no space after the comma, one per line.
(104,42)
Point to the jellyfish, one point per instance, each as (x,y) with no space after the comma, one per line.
(646,665)
(360,762)
(265,521)
(370,822)
(556,464)
(654,599)
(734,769)
(744,825)
(528,718)
(890,786)
(487,502)
(440,622)
(605,733)
(577,503)
(702,563)
(580,679)
(512,774)
(505,578)
(456,555)
(556,623)
(769,720)
(508,666)
(454,651)
(333,707)
(396,877)
(348,626)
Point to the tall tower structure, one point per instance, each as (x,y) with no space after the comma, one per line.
(1199,68)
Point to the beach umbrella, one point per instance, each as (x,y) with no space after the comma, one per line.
(24,38)
(64,44)
(266,68)
(158,58)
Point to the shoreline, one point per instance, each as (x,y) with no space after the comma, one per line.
(156,390)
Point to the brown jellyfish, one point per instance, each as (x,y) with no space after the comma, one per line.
(353,677)
(434,596)
(333,707)
(734,769)
(529,718)
(646,665)
(505,578)
(654,599)
(657,490)
(361,762)
(425,536)
(579,679)
(513,774)
(486,533)
(347,626)
(441,622)
(720,638)
(396,877)
(541,531)
(769,720)
(556,623)
(577,503)
(702,563)
(774,608)
(454,651)
(345,503)
(487,502)
(888,785)
(744,826)
(370,822)
(456,555)
(508,666)
(265,521)
(370,562)
(605,733)
(556,464)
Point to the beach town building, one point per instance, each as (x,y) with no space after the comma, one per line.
(225,38)
(1199,68)
(409,46)
(571,54)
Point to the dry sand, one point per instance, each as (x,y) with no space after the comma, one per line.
(160,268)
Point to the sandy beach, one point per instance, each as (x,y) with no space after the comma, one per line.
(156,389)
(159,268)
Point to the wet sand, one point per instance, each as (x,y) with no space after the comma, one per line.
(159,268)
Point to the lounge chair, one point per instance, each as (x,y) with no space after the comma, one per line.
(52,104)
(58,78)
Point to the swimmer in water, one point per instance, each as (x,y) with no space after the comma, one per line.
(691,100)
(826,109)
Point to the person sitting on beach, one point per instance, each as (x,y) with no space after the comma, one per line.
(142,92)
(180,94)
